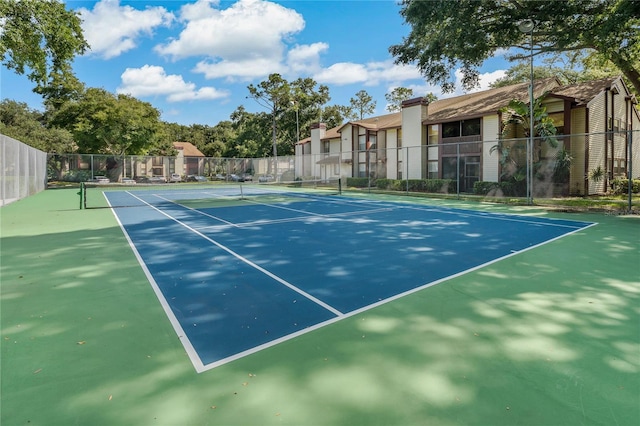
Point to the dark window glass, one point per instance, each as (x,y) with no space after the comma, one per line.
(471,127)
(451,130)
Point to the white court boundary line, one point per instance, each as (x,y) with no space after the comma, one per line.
(379,303)
(191,352)
(200,367)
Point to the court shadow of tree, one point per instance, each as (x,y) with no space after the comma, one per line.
(77,312)
(539,338)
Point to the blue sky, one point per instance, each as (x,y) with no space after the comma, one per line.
(193,60)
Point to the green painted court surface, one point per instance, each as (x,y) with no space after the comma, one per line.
(550,336)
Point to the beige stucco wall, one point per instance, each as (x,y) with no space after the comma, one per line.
(490,160)
(577,150)
(413,135)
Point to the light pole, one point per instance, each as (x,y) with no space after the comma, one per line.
(295,105)
(527,27)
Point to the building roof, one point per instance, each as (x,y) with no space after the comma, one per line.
(332,133)
(380,122)
(486,102)
(188,149)
(582,93)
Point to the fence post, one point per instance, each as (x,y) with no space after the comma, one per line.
(630,165)
(458,170)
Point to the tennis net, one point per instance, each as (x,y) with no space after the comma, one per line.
(208,194)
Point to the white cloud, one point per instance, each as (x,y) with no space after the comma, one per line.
(153,81)
(370,74)
(387,71)
(484,81)
(111,29)
(306,58)
(248,29)
(240,69)
(424,88)
(342,73)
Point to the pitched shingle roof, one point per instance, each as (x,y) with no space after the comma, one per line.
(484,103)
(381,122)
(188,149)
(582,93)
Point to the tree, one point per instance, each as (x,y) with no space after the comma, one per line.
(40,38)
(20,122)
(283,99)
(308,101)
(251,135)
(446,35)
(430,97)
(363,104)
(332,116)
(111,124)
(513,159)
(396,97)
(275,95)
(568,67)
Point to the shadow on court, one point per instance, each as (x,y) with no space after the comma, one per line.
(550,336)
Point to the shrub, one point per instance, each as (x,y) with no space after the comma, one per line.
(384,183)
(496,189)
(483,188)
(77,176)
(358,182)
(621,186)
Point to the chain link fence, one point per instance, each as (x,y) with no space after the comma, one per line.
(22,170)
(571,165)
(578,165)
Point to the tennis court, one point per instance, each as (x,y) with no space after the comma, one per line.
(239,268)
(315,310)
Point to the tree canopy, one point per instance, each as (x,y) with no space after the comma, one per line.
(362,105)
(40,38)
(446,35)
(20,122)
(396,97)
(110,124)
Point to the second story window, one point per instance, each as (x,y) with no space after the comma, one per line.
(455,129)
(362,142)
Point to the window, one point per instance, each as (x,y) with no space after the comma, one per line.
(432,134)
(619,167)
(362,169)
(470,127)
(399,138)
(362,142)
(451,130)
(456,129)
(432,169)
(325,147)
(372,141)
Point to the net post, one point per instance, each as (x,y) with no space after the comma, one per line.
(81,193)
(340,186)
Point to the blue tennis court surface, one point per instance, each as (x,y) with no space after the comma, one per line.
(241,276)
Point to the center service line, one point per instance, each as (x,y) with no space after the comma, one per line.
(248,262)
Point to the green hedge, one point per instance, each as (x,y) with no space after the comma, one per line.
(621,186)
(358,182)
(442,186)
(492,188)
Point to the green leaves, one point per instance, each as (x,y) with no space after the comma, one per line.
(40,38)
(110,124)
(446,35)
